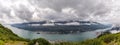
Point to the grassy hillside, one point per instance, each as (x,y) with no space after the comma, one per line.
(7,34)
(7,37)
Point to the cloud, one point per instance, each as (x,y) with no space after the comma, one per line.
(14,11)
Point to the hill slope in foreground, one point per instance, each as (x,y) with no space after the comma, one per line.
(7,37)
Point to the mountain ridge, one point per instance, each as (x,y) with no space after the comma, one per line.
(66,27)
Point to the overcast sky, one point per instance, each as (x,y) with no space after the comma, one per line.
(15,11)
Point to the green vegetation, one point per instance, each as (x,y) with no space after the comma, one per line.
(6,34)
(7,37)
(106,39)
(40,41)
(1,42)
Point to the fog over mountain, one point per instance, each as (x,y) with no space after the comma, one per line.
(15,11)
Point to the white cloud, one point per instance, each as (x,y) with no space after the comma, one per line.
(37,10)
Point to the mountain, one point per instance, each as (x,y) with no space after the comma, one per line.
(62,27)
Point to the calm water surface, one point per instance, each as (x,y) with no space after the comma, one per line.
(67,37)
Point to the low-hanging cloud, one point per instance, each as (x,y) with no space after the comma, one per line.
(37,10)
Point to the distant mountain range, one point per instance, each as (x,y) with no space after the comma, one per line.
(58,22)
(61,26)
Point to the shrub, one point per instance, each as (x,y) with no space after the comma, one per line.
(40,41)
(1,42)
